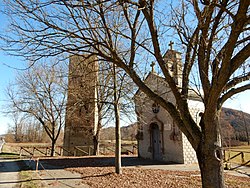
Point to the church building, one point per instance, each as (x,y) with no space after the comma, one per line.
(158,136)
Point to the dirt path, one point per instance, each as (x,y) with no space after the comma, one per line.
(9,170)
(52,171)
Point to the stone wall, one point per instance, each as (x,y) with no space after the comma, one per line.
(188,151)
(81,112)
(195,108)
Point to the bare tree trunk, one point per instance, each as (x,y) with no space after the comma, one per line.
(96,144)
(96,136)
(118,141)
(211,170)
(117,127)
(53,143)
(210,156)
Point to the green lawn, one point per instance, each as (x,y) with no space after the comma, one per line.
(9,155)
(30,179)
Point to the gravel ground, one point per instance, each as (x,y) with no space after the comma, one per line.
(99,177)
(99,172)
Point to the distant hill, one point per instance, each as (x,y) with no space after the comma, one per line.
(233,122)
(237,119)
(234,125)
(127,132)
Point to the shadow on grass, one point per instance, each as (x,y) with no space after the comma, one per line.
(98,175)
(61,163)
(6,155)
(71,162)
(7,165)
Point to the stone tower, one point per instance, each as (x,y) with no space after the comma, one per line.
(81,110)
(173,61)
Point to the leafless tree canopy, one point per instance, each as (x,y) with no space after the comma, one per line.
(40,93)
(213,35)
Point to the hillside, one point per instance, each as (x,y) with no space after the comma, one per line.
(237,119)
(235,125)
(233,122)
(127,132)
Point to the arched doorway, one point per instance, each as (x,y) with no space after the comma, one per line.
(156,141)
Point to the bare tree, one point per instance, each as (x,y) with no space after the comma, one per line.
(18,120)
(213,35)
(40,93)
(246,129)
(118,161)
(112,92)
(26,129)
(105,94)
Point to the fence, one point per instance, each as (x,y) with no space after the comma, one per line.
(104,149)
(39,151)
(236,157)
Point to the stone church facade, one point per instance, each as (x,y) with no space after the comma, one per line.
(158,136)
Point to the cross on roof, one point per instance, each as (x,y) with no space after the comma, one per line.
(152,65)
(171,45)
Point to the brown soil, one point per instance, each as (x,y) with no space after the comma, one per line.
(99,177)
(99,172)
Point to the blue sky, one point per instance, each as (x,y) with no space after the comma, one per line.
(7,74)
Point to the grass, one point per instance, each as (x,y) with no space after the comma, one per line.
(11,150)
(15,148)
(231,152)
(30,179)
(9,155)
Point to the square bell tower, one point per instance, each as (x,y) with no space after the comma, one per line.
(81,110)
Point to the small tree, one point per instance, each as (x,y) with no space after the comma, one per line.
(40,93)
(18,121)
(114,98)
(246,129)
(117,124)
(104,93)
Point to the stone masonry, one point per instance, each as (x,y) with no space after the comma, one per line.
(158,136)
(81,112)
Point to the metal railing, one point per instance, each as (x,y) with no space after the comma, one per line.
(104,149)
(39,151)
